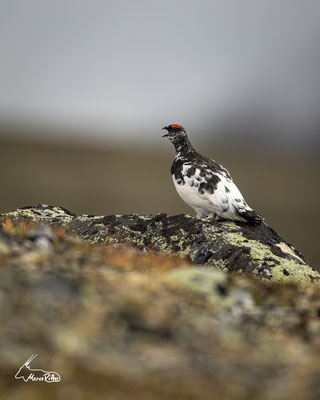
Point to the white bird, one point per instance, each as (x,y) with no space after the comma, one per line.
(205,185)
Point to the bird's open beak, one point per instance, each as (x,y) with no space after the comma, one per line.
(166,135)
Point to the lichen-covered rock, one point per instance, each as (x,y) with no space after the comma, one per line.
(228,246)
(119,323)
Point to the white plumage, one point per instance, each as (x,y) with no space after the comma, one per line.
(204,184)
(223,203)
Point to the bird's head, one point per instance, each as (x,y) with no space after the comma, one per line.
(175,133)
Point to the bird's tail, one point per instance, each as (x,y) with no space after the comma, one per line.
(251,216)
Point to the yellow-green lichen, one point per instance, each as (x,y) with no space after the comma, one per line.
(283,270)
(226,245)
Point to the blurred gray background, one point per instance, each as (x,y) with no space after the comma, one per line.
(86,86)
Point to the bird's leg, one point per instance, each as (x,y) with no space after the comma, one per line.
(209,216)
(200,212)
(204,214)
(213,217)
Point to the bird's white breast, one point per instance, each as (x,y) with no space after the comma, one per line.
(191,195)
(224,201)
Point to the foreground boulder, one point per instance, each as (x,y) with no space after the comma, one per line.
(227,246)
(119,323)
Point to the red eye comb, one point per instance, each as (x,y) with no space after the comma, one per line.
(175,126)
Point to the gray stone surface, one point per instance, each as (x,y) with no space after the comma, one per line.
(226,245)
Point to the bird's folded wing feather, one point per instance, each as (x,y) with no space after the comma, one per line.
(227,197)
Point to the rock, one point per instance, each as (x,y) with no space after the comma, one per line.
(42,235)
(212,284)
(226,245)
(119,323)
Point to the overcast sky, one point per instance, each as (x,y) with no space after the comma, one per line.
(138,65)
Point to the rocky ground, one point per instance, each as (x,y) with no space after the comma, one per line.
(226,245)
(117,322)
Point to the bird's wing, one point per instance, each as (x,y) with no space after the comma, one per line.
(223,192)
(231,203)
(210,183)
(228,197)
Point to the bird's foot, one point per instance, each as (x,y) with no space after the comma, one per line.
(212,218)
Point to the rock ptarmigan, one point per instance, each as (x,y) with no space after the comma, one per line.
(204,184)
